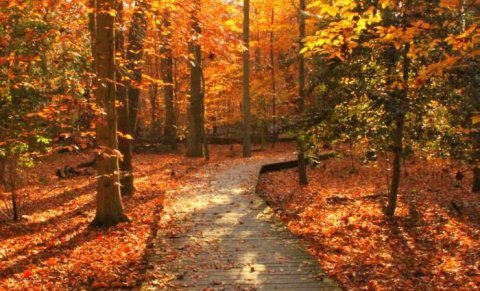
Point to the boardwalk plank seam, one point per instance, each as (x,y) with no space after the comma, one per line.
(231,239)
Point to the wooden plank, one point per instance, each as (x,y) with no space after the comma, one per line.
(235,241)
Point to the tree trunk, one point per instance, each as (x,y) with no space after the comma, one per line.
(258,70)
(476,159)
(475,95)
(136,40)
(476,180)
(153,108)
(196,109)
(124,142)
(274,82)
(127,121)
(109,207)
(205,148)
(302,167)
(153,88)
(247,126)
(9,177)
(167,77)
(400,112)
(397,152)
(14,205)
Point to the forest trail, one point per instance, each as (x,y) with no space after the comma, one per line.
(229,238)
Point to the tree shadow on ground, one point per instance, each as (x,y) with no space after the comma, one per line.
(26,227)
(75,239)
(76,233)
(39,205)
(37,227)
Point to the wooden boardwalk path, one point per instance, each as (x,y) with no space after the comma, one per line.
(234,241)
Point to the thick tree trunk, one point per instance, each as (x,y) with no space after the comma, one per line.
(124,142)
(302,167)
(196,121)
(247,126)
(167,77)
(109,207)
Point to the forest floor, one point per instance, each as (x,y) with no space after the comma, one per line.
(52,247)
(432,243)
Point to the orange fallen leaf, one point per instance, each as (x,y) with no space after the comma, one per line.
(27,274)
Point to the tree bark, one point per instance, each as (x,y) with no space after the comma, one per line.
(397,152)
(130,93)
(124,142)
(247,126)
(154,129)
(196,110)
(302,167)
(136,40)
(274,82)
(167,77)
(476,180)
(109,207)
(9,178)
(258,70)
(476,160)
(400,112)
(15,205)
(476,134)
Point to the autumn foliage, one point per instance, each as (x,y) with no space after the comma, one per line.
(53,246)
(99,99)
(433,240)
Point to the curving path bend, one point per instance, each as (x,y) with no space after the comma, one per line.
(229,239)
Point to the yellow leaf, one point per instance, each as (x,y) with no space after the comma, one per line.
(476,119)
(304,50)
(332,11)
(387,3)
